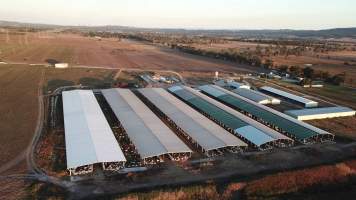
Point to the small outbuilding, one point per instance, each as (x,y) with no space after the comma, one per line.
(61,65)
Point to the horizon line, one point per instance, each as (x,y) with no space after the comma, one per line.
(180,28)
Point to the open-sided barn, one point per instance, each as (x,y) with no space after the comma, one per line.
(249,130)
(151,137)
(88,136)
(257,96)
(207,136)
(281,122)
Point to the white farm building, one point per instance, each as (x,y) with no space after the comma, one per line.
(307,103)
(257,96)
(88,136)
(321,113)
(61,65)
(232,84)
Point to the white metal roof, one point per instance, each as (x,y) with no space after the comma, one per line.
(237,85)
(319,111)
(253,134)
(148,133)
(256,96)
(262,128)
(205,132)
(88,136)
(290,96)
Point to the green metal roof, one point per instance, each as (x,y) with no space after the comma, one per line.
(210,109)
(300,132)
(297,130)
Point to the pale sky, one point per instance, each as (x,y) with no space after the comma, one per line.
(208,14)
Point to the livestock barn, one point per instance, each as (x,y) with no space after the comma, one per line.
(252,132)
(257,96)
(208,137)
(281,122)
(150,136)
(88,136)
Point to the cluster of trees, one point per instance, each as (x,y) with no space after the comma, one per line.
(309,74)
(226,54)
(175,39)
(278,50)
(104,34)
(296,47)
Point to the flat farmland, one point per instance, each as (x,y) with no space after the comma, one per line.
(18,108)
(79,50)
(334,62)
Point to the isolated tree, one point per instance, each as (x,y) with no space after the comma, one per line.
(338,79)
(308,72)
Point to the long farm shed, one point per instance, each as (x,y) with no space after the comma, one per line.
(321,113)
(292,97)
(207,136)
(281,122)
(88,136)
(151,137)
(258,136)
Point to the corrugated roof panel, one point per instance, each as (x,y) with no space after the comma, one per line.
(148,133)
(206,107)
(237,85)
(289,96)
(299,129)
(212,92)
(276,135)
(202,130)
(89,138)
(255,96)
(228,119)
(252,134)
(299,132)
(317,111)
